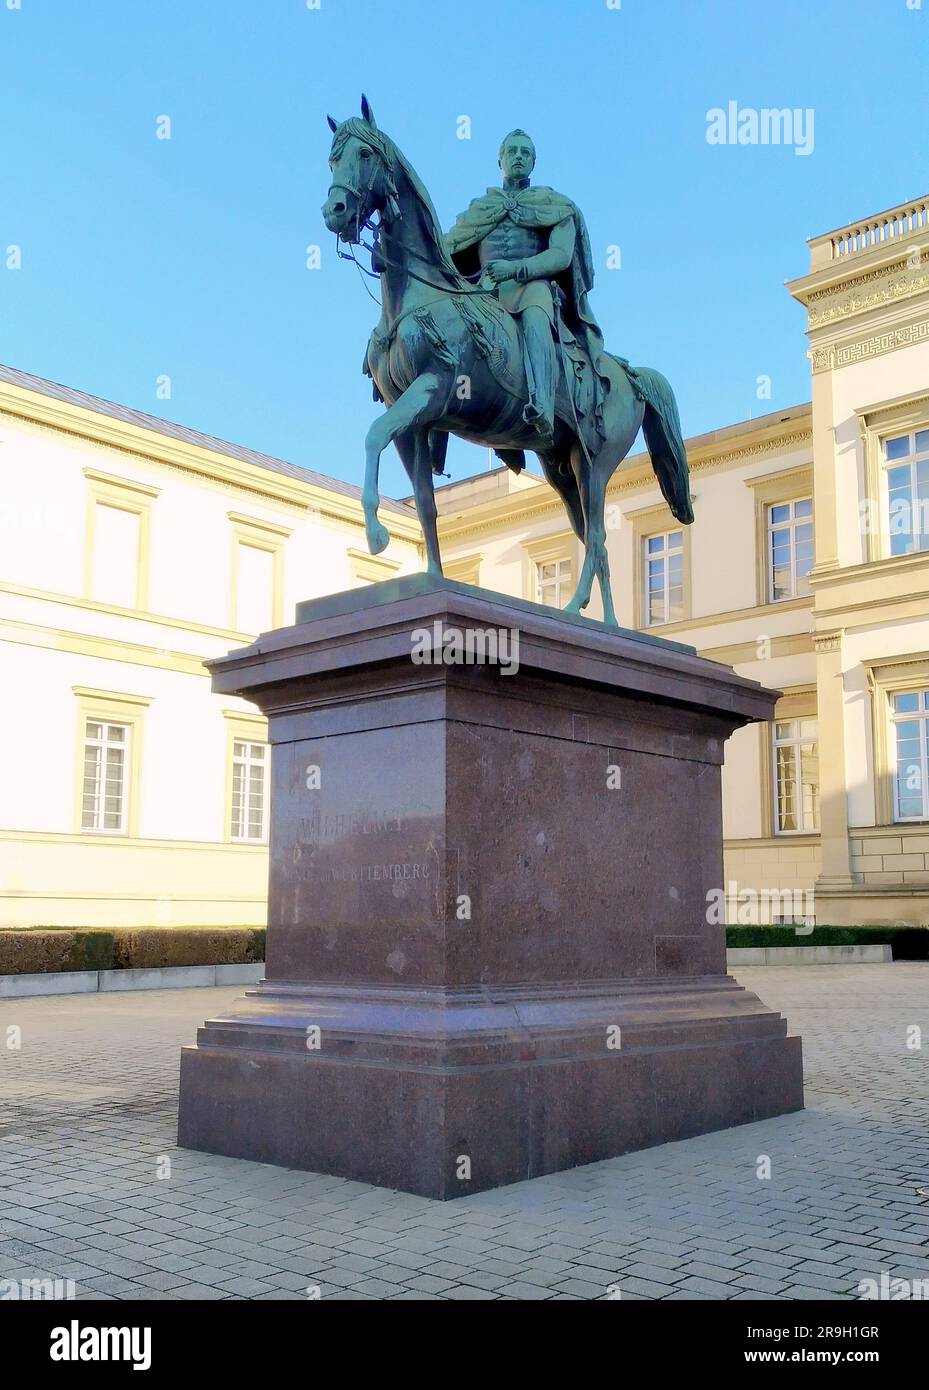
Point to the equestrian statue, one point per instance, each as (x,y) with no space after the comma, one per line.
(487,333)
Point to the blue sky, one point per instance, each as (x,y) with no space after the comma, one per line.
(145,257)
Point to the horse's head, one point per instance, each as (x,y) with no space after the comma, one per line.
(362,178)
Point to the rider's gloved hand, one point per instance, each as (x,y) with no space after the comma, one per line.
(501,270)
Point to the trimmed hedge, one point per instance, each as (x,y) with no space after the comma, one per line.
(40,950)
(909,943)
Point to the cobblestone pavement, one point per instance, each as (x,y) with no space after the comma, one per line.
(87,1111)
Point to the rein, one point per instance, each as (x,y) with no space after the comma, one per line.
(377,249)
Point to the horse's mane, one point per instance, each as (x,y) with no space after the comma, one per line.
(395,160)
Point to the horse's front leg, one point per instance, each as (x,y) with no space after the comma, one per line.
(418,453)
(419,403)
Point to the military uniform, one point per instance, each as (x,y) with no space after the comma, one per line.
(509,241)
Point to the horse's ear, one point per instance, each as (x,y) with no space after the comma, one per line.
(366,111)
(333,125)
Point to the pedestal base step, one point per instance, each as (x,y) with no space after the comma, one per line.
(445,1095)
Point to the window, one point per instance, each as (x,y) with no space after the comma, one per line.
(910,716)
(796,777)
(906,458)
(371,569)
(664,578)
(553,582)
(105,792)
(790,549)
(116,556)
(466,569)
(108,761)
(257,573)
(119,523)
(254,606)
(249,790)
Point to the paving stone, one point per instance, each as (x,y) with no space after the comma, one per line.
(583,1289)
(758,1282)
(378,1288)
(711,1287)
(78,1190)
(648,1288)
(428,1283)
(655,1273)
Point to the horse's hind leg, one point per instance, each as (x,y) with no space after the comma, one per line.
(417,452)
(585,582)
(596,535)
(566,487)
(596,560)
(420,403)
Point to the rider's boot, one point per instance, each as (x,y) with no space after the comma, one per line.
(540,347)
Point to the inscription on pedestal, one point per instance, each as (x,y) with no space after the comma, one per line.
(357,848)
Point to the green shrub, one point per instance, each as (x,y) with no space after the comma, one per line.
(41,950)
(909,943)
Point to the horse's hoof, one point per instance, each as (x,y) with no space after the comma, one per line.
(378,537)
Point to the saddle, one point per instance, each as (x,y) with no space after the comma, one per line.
(580,389)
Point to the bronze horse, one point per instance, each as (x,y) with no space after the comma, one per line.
(438,372)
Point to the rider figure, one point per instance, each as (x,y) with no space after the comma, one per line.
(524,238)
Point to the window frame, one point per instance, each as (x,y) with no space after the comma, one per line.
(247,727)
(247,761)
(796,702)
(797,744)
(790,526)
(270,537)
(111,707)
(922,717)
(561,583)
(466,569)
(645,620)
(124,495)
(105,744)
(888,676)
(910,462)
(371,569)
(656,520)
(563,545)
(790,484)
(877,423)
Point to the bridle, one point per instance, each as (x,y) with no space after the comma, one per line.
(391,214)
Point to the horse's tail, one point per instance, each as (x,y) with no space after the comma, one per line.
(662,430)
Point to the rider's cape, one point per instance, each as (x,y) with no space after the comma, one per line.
(583,342)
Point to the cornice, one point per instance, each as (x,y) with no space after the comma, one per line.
(734,615)
(908,659)
(885,412)
(110,436)
(228,635)
(890,284)
(918,561)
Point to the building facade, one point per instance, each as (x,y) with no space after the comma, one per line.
(133,550)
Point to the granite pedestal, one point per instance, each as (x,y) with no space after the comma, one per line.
(489,949)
